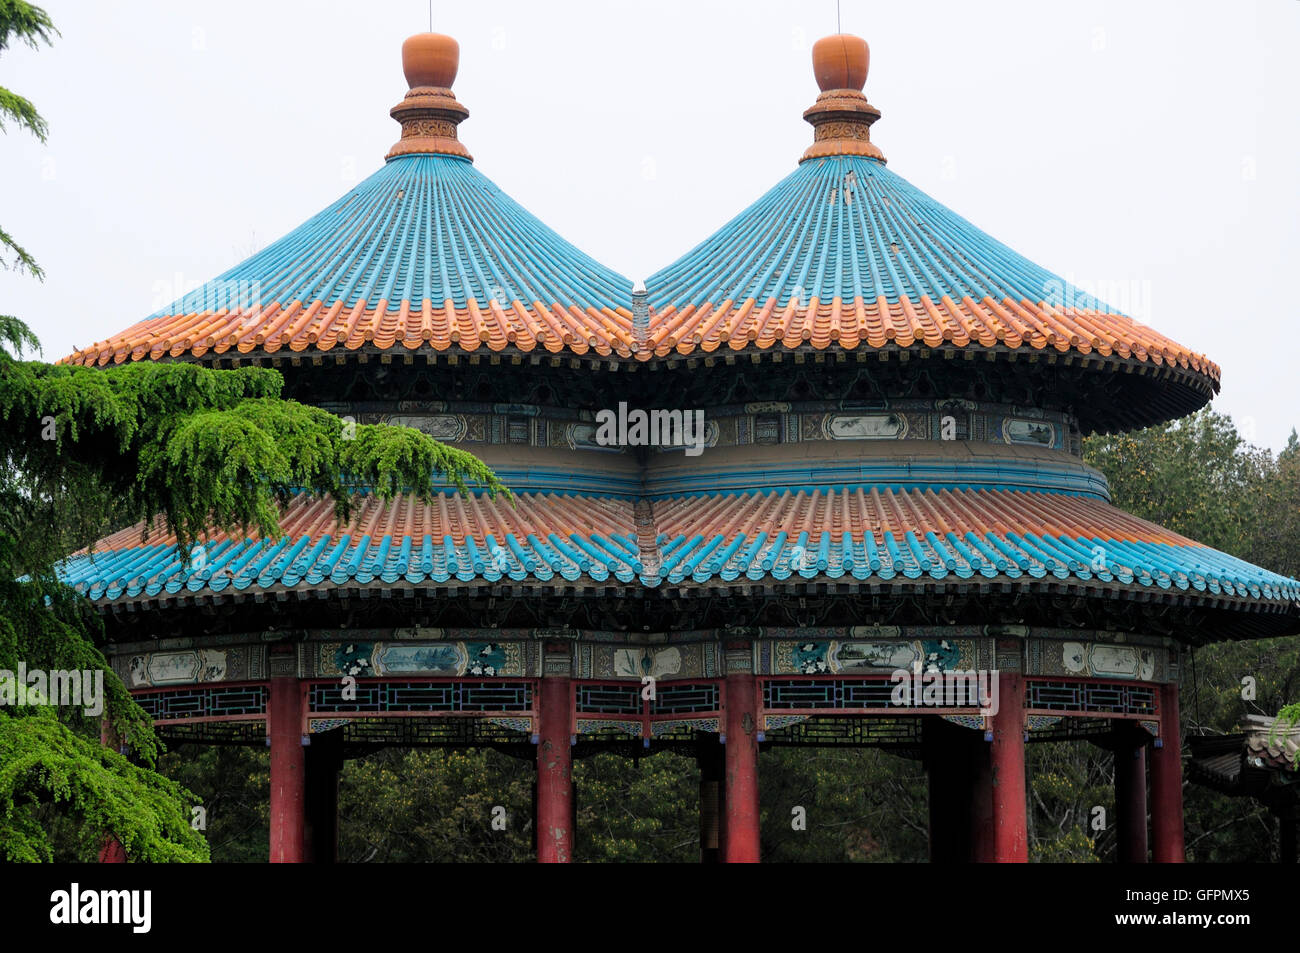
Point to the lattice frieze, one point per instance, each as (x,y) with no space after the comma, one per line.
(1090,698)
(200,702)
(386,697)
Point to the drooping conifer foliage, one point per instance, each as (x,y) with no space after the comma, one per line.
(85,450)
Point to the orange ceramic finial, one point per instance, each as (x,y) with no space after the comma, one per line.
(430,59)
(429,114)
(841,62)
(841,117)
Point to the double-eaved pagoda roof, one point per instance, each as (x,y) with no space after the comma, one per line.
(840,260)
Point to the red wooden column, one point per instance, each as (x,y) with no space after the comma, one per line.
(1010,841)
(555,770)
(1167,783)
(741,781)
(288,771)
(112,851)
(1131,794)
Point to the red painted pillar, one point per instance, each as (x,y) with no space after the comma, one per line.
(1010,839)
(288,771)
(112,851)
(1131,795)
(1167,784)
(742,770)
(555,772)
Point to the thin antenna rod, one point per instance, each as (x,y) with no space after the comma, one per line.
(430,16)
(838,28)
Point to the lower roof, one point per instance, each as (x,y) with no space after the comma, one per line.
(858,533)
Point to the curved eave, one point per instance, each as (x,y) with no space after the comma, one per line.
(1148,392)
(296,330)
(604,333)
(1009,325)
(842,539)
(809,583)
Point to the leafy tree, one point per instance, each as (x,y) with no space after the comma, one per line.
(860,804)
(84,449)
(435,804)
(1196,476)
(232,782)
(1068,780)
(1200,478)
(1277,539)
(638,810)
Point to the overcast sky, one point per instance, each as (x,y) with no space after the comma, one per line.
(1148,150)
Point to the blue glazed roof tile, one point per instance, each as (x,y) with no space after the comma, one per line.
(861,532)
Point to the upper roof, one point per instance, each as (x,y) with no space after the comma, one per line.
(428,252)
(844,252)
(425,252)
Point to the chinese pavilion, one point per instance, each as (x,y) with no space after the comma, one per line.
(1261,762)
(890,481)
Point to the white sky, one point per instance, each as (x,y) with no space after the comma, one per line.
(1147,149)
